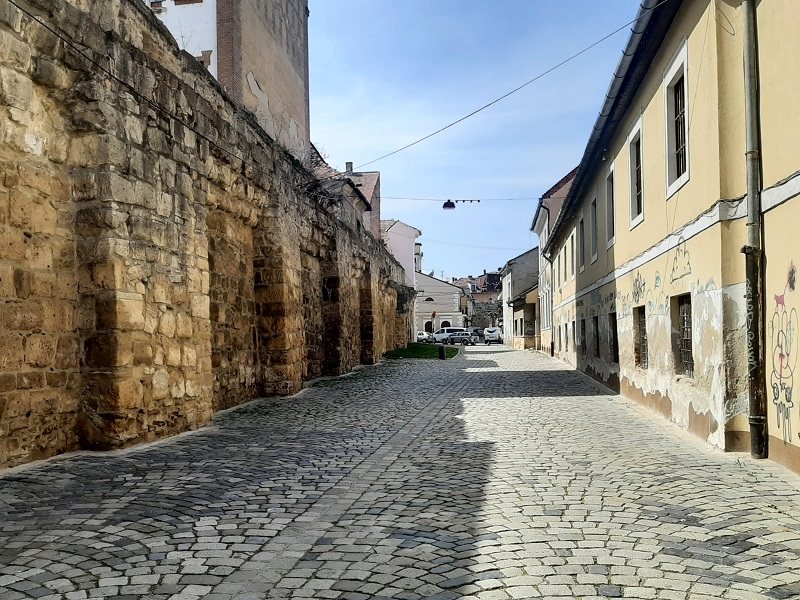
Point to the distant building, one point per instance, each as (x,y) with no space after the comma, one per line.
(369,182)
(258,51)
(438,304)
(352,206)
(400,239)
(520,297)
(546,212)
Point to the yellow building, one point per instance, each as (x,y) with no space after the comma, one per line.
(648,278)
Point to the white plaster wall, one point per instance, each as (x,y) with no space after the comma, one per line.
(508,312)
(194,27)
(400,240)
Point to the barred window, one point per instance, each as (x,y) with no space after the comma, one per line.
(613,338)
(640,337)
(583,336)
(684,361)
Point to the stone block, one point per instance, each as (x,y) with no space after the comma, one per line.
(172,353)
(27,315)
(183,325)
(14,52)
(40,350)
(66,356)
(13,245)
(166,325)
(189,357)
(129,394)
(7,287)
(15,90)
(43,284)
(49,74)
(8,383)
(11,16)
(17,405)
(30,380)
(124,310)
(104,350)
(200,306)
(142,353)
(108,275)
(22,283)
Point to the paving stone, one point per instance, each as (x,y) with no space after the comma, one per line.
(504,476)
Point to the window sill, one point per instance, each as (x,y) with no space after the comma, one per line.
(637,221)
(674,187)
(611,242)
(594,258)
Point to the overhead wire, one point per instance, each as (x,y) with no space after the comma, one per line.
(455,199)
(516,89)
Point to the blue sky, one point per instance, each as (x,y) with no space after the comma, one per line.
(386,72)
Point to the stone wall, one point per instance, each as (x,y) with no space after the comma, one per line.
(160,256)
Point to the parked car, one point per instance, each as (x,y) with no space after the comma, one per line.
(440,335)
(424,337)
(479,333)
(492,334)
(462,337)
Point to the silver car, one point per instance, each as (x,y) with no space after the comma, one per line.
(462,337)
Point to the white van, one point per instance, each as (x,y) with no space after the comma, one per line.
(492,334)
(441,334)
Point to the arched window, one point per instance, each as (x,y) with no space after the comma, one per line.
(445,324)
(428,299)
(428,327)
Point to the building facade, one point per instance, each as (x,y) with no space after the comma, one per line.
(648,281)
(546,211)
(258,51)
(520,283)
(438,304)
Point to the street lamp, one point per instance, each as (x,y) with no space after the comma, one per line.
(451,204)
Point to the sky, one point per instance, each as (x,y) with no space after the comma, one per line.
(384,73)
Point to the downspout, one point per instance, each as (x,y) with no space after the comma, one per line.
(754,252)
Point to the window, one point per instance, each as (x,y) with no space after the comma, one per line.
(593,237)
(637,184)
(682,344)
(574,344)
(445,324)
(581,245)
(559,339)
(613,338)
(596,331)
(610,233)
(583,336)
(572,255)
(640,337)
(677,124)
(566,336)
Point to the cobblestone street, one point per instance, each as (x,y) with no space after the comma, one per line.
(498,474)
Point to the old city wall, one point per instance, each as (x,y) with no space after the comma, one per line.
(150,276)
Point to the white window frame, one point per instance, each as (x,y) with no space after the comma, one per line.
(581,237)
(572,263)
(636,133)
(611,223)
(677,69)
(595,228)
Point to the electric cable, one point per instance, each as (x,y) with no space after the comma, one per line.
(516,89)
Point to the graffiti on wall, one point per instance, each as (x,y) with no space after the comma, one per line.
(682,263)
(783,332)
(638,287)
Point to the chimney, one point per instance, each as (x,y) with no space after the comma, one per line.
(484,271)
(348,168)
